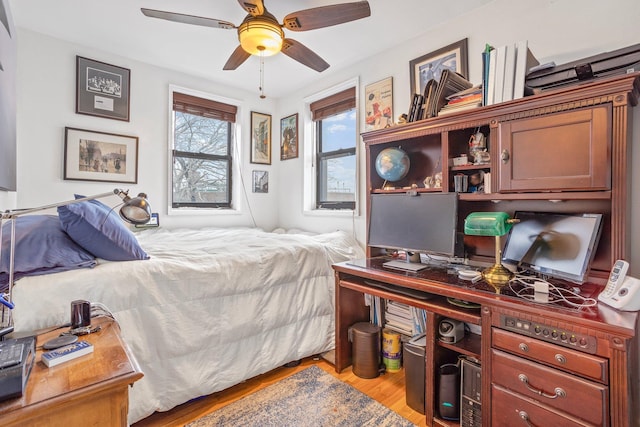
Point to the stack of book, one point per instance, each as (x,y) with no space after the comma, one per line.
(404,319)
(464,100)
(429,104)
(504,71)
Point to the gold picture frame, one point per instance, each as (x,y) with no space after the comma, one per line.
(260,138)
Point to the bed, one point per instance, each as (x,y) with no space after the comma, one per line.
(208,309)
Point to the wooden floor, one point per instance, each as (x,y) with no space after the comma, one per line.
(387,389)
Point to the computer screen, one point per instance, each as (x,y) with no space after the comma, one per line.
(555,245)
(424,223)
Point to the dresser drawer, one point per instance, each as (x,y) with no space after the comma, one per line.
(567,393)
(511,410)
(583,364)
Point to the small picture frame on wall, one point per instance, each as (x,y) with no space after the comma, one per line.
(289,137)
(430,66)
(100,156)
(260,181)
(102,89)
(260,138)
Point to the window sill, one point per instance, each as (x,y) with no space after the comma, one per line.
(346,213)
(203,211)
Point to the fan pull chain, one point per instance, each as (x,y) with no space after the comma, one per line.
(262,95)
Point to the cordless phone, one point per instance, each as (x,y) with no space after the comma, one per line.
(621,292)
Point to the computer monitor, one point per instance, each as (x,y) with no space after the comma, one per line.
(552,244)
(420,223)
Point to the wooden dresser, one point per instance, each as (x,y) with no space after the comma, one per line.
(90,390)
(565,151)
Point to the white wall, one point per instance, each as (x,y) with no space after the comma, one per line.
(46,105)
(557,30)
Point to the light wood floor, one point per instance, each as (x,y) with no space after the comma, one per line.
(387,389)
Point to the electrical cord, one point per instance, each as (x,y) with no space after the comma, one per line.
(555,294)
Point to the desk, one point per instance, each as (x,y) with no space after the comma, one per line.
(89,390)
(592,353)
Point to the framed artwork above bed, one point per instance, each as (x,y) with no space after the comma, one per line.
(100,156)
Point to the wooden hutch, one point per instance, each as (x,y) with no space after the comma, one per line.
(566,150)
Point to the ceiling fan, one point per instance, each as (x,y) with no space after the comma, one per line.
(261,34)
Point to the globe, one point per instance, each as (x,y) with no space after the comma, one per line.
(392,164)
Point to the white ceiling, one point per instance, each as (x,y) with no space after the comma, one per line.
(119,27)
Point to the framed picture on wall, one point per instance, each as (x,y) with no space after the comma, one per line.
(100,156)
(260,181)
(430,66)
(289,137)
(260,138)
(102,89)
(378,104)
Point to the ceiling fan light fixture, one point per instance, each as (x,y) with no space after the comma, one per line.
(260,36)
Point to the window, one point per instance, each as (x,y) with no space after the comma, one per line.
(201,152)
(336,136)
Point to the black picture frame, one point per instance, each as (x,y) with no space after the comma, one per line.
(289,137)
(425,67)
(102,89)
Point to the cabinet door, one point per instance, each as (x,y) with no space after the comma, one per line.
(567,151)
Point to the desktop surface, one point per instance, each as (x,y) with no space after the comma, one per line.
(447,274)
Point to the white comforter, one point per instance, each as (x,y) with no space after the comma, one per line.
(211,308)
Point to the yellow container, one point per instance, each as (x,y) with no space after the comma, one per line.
(391,350)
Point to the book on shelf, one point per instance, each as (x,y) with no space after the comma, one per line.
(501,57)
(463,100)
(428,98)
(485,72)
(525,61)
(415,111)
(491,79)
(509,73)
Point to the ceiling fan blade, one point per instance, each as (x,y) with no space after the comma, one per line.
(296,50)
(236,59)
(187,19)
(326,16)
(253,7)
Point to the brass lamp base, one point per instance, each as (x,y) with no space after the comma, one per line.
(497,276)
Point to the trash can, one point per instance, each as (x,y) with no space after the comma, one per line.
(365,349)
(414,364)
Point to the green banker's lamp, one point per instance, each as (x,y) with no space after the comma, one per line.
(491,224)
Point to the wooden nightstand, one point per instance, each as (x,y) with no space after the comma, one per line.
(89,390)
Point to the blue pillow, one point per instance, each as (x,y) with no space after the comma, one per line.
(41,247)
(98,228)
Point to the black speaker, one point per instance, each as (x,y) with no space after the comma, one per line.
(449,392)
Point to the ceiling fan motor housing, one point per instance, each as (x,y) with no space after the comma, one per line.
(261,35)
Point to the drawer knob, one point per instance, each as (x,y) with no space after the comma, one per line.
(561,359)
(525,417)
(557,392)
(522,346)
(505,156)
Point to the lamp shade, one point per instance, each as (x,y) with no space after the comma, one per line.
(261,35)
(135,210)
(487,224)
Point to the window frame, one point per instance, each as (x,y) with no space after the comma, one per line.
(235,160)
(321,178)
(311,164)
